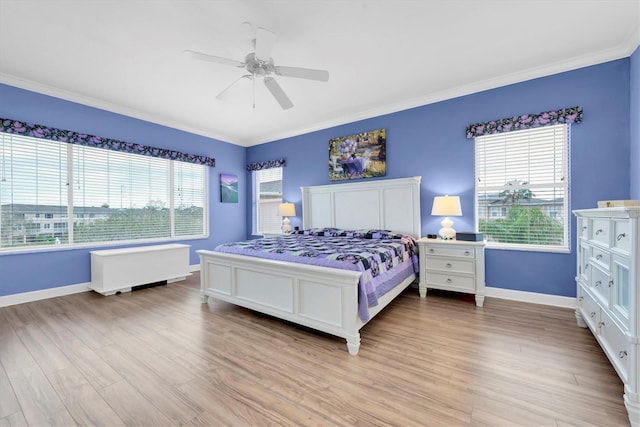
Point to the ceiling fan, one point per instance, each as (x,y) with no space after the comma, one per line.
(260,65)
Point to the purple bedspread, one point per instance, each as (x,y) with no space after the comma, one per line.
(384,258)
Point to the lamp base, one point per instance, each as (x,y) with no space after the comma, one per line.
(447,232)
(286,226)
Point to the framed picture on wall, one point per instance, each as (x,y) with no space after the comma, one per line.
(362,155)
(228,188)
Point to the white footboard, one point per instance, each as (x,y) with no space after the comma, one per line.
(321,298)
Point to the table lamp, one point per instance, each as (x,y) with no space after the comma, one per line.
(286,210)
(446,206)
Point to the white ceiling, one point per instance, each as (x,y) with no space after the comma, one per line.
(383,56)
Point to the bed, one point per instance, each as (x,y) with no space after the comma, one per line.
(319,297)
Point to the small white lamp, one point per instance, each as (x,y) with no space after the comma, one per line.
(446,206)
(286,210)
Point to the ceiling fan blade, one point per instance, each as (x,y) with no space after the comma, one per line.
(239,90)
(212,58)
(303,73)
(278,93)
(264,43)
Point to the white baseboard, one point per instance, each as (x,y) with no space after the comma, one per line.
(532,297)
(508,294)
(60,291)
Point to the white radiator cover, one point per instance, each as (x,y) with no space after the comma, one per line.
(118,270)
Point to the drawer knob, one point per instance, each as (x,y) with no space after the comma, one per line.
(599,256)
(610,283)
(467,253)
(620,236)
(622,354)
(600,325)
(449,281)
(449,265)
(431,251)
(593,314)
(584,228)
(598,231)
(598,283)
(580,298)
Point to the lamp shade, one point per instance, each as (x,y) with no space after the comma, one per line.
(446,206)
(287,209)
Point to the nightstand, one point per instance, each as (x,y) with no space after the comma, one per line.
(452,265)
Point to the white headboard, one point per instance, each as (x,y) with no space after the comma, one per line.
(390,204)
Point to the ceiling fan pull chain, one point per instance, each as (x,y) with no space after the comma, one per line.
(254,90)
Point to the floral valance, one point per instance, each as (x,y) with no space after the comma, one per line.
(38,131)
(267,164)
(546,118)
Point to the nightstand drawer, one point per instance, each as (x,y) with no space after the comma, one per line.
(450,252)
(450,281)
(453,265)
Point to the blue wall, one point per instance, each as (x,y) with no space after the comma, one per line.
(427,141)
(634,133)
(430,141)
(49,269)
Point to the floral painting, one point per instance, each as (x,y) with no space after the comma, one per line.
(228,188)
(363,155)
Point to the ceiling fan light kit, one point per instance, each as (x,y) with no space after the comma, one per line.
(260,65)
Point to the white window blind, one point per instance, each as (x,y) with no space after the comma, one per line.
(522,187)
(128,195)
(33,177)
(189,199)
(268,195)
(57,193)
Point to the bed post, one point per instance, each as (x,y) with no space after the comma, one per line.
(353,343)
(203,281)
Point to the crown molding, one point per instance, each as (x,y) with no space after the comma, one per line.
(89,101)
(622,51)
(582,61)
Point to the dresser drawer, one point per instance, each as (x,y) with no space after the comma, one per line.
(449,251)
(452,265)
(451,282)
(614,340)
(600,231)
(601,257)
(599,284)
(621,235)
(583,228)
(589,308)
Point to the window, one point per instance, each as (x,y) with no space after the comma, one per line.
(522,187)
(118,196)
(267,196)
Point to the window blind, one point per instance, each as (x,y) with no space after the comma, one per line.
(33,191)
(268,188)
(522,187)
(119,195)
(189,199)
(54,193)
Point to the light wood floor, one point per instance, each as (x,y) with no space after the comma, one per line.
(158,357)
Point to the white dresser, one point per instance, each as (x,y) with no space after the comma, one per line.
(452,265)
(607,291)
